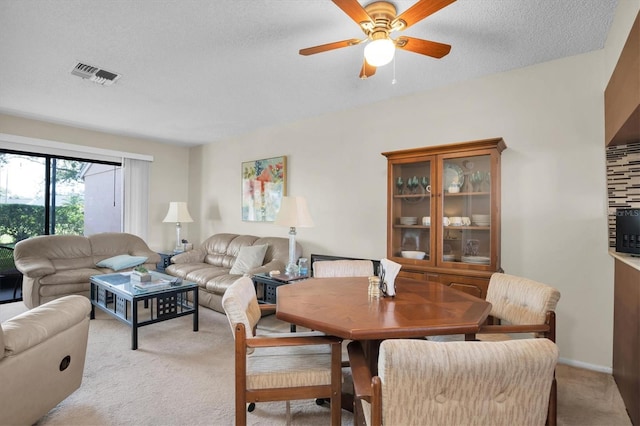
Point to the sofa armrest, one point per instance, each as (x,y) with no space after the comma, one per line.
(191,256)
(34,267)
(43,322)
(152,256)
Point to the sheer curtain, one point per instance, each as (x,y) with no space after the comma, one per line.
(135,196)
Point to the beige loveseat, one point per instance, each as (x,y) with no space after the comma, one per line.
(218,263)
(42,357)
(58,265)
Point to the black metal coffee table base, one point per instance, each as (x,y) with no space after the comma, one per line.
(122,303)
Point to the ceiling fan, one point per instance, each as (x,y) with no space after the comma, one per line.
(377,20)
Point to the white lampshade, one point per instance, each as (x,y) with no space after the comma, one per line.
(294,213)
(379,52)
(178,213)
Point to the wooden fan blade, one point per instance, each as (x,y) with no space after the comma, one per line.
(419,11)
(354,10)
(329,46)
(423,47)
(367,70)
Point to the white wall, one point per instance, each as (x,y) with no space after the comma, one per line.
(169,173)
(554,206)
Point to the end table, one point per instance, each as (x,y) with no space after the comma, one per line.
(266,288)
(165,260)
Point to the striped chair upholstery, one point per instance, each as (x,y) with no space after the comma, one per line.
(519,301)
(420,382)
(342,268)
(279,367)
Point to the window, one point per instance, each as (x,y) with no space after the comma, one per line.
(43,194)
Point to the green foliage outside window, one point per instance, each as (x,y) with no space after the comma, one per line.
(21,221)
(70,217)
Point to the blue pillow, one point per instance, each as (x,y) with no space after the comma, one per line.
(122,261)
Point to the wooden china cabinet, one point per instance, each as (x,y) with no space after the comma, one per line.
(443,213)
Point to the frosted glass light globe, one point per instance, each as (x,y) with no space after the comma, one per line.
(379,52)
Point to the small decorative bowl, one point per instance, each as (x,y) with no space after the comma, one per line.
(412,254)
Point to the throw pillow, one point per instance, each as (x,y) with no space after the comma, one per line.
(122,261)
(249,257)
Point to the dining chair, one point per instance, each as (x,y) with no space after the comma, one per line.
(421,382)
(521,308)
(519,305)
(342,268)
(279,366)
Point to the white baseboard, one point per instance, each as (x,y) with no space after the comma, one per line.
(585,365)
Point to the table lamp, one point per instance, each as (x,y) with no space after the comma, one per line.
(178,213)
(293,213)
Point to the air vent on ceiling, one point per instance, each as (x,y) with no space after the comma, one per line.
(95,74)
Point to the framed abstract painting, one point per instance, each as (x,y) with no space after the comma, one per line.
(264,183)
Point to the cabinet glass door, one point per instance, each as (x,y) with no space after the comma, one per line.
(466,213)
(411,211)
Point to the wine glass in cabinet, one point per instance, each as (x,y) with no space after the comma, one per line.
(410,210)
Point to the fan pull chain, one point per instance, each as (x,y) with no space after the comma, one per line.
(393,80)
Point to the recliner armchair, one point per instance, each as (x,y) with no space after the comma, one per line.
(42,359)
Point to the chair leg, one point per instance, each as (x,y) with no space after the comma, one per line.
(241,414)
(241,375)
(336,384)
(288,413)
(336,411)
(552,415)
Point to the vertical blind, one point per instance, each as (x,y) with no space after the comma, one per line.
(136,196)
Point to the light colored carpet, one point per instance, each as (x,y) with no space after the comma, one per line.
(181,377)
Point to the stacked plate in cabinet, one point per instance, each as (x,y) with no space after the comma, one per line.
(478,260)
(408,220)
(481,219)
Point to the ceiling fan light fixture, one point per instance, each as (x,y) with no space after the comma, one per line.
(377,20)
(379,52)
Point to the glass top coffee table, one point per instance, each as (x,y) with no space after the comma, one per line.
(163,299)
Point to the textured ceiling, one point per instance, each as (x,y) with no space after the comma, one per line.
(199,71)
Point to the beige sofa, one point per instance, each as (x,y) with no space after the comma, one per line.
(42,356)
(222,259)
(58,265)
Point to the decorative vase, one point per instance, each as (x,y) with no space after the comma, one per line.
(140,276)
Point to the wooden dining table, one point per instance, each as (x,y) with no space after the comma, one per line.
(342,307)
